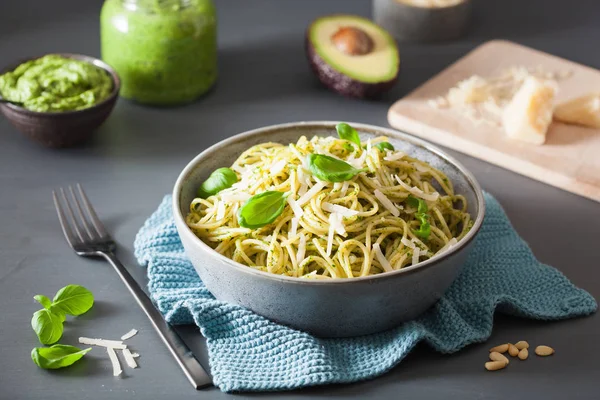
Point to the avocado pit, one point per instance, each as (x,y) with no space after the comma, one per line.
(352,41)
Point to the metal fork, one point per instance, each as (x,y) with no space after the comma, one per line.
(86,234)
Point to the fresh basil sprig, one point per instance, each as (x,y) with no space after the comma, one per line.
(347,132)
(57,356)
(220,179)
(425,229)
(261,209)
(48,322)
(383,146)
(331,169)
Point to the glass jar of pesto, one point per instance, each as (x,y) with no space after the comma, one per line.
(165,51)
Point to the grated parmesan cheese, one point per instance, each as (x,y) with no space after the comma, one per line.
(301,249)
(344,189)
(293,228)
(332,223)
(310,193)
(416,191)
(221,210)
(298,211)
(277,167)
(451,243)
(407,243)
(234,196)
(394,156)
(387,203)
(114,344)
(334,208)
(116,365)
(129,334)
(415,256)
(381,258)
(129,359)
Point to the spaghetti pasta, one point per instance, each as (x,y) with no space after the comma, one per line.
(361,226)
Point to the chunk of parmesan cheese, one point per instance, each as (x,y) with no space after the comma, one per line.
(129,359)
(129,334)
(528,115)
(116,365)
(584,110)
(381,258)
(387,203)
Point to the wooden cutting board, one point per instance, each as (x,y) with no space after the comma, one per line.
(570,158)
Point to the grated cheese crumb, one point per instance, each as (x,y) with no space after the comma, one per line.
(116,365)
(381,258)
(387,203)
(334,208)
(129,359)
(129,334)
(114,344)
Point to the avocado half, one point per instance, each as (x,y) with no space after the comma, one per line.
(352,55)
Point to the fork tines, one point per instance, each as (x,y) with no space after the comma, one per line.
(81,227)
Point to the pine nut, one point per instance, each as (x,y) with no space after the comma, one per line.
(495,356)
(523,354)
(500,349)
(544,351)
(495,365)
(512,350)
(522,345)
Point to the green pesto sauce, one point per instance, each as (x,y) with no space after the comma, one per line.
(165,51)
(55,84)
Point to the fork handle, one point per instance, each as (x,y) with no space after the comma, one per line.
(184,357)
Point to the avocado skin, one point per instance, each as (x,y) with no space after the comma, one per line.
(341,83)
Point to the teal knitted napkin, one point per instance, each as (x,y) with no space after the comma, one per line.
(250,353)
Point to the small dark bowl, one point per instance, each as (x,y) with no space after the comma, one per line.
(63,129)
(408,23)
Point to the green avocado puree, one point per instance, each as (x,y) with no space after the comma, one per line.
(165,51)
(55,84)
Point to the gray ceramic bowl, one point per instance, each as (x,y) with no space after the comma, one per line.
(336,307)
(63,129)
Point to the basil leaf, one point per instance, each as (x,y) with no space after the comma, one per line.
(73,300)
(331,169)
(220,179)
(43,300)
(347,132)
(261,209)
(419,204)
(425,229)
(47,326)
(57,356)
(383,146)
(58,312)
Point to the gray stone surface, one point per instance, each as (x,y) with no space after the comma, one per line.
(264,79)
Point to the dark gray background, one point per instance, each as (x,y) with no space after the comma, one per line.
(264,79)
